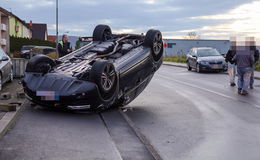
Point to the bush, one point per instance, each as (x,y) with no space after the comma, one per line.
(16,43)
(257,66)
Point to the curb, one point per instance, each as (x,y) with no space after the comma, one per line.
(175,65)
(181,66)
(9,119)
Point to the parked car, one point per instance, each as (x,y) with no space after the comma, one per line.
(112,70)
(45,50)
(6,68)
(205,59)
(25,51)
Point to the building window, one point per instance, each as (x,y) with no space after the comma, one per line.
(16,28)
(170,45)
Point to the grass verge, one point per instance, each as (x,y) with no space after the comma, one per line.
(175,59)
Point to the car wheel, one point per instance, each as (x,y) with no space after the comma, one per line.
(153,39)
(27,56)
(104,75)
(198,68)
(188,66)
(11,76)
(40,64)
(102,33)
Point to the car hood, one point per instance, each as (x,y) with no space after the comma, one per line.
(211,58)
(64,86)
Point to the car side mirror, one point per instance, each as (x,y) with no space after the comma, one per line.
(194,56)
(5,58)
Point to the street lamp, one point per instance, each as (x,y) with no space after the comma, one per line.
(57,29)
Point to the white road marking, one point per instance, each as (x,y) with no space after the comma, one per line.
(208,90)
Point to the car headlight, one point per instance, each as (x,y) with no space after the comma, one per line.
(204,62)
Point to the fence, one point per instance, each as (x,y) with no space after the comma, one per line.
(19,65)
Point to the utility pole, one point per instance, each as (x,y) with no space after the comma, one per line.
(57,28)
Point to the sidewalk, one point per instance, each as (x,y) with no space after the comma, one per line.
(183,65)
(7,119)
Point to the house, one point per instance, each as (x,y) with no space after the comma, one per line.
(4,30)
(39,30)
(18,27)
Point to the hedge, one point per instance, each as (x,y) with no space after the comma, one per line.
(16,43)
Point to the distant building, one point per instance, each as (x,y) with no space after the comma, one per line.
(51,38)
(39,30)
(4,30)
(174,47)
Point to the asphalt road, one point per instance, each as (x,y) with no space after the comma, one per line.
(183,115)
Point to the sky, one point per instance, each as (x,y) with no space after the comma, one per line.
(210,19)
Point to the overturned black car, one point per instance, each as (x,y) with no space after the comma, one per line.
(110,71)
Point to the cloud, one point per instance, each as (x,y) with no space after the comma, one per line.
(66,28)
(44,3)
(172,17)
(241,21)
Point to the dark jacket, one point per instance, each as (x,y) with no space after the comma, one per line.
(63,48)
(230,55)
(244,58)
(256,55)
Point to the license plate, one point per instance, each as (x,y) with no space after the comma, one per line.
(48,95)
(216,66)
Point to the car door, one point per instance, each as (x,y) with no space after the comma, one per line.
(189,57)
(4,65)
(135,67)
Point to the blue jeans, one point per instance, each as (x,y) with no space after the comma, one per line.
(232,72)
(252,77)
(244,74)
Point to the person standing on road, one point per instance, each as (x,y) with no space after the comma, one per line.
(231,64)
(244,60)
(256,57)
(64,46)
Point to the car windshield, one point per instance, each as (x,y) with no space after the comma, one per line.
(2,53)
(207,52)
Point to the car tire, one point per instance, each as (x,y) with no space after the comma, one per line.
(104,75)
(188,66)
(27,56)
(153,39)
(102,33)
(40,64)
(198,68)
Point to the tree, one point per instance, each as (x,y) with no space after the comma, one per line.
(192,35)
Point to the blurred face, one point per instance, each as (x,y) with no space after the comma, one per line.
(65,39)
(233,45)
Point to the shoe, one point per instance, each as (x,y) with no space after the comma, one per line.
(243,92)
(232,84)
(239,90)
(251,87)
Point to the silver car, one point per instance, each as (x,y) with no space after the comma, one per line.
(6,68)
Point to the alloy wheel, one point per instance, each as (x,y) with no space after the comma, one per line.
(157,45)
(108,77)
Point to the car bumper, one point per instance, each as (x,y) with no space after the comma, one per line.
(61,92)
(220,67)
